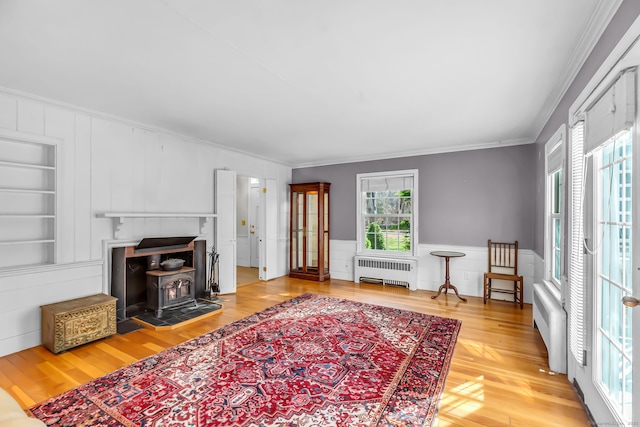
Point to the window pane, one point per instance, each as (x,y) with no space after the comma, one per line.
(615,314)
(556,265)
(614,251)
(375,238)
(556,251)
(370,203)
(604,302)
(628,348)
(405,201)
(626,195)
(628,392)
(616,381)
(406,241)
(627,258)
(557,192)
(606,183)
(605,271)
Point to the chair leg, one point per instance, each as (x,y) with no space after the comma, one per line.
(521,293)
(486,289)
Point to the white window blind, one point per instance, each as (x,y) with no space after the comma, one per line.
(554,158)
(386,183)
(576,269)
(612,112)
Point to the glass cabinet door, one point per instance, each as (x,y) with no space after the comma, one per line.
(309,257)
(297,230)
(312,230)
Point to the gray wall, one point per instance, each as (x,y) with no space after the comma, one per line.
(627,13)
(465,197)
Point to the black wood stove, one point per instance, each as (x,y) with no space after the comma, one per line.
(167,289)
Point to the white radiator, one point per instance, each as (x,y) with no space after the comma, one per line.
(551,321)
(386,271)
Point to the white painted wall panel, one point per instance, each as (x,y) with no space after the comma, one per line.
(119,147)
(108,164)
(152,173)
(27,290)
(61,124)
(30,116)
(101,184)
(8,112)
(137,150)
(82,188)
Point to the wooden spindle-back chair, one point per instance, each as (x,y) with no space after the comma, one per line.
(503,265)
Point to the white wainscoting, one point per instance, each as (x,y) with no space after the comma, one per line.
(25,290)
(466,273)
(538,267)
(341,253)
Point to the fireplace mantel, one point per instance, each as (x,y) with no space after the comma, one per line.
(119,218)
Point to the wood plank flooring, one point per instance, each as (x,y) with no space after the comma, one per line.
(246,275)
(498,374)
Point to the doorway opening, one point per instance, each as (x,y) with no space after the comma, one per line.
(247,229)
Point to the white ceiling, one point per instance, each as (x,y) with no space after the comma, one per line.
(308,82)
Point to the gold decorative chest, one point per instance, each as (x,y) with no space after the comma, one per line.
(68,324)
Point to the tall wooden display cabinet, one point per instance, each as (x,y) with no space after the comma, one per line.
(309,251)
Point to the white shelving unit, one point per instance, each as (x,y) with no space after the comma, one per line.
(28,200)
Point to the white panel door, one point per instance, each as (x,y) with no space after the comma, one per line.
(269,230)
(225,235)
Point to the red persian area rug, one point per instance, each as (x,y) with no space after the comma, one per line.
(310,361)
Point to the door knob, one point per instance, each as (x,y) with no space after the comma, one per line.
(630,301)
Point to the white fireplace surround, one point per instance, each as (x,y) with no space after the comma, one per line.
(118,220)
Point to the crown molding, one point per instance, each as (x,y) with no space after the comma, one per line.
(600,18)
(435,150)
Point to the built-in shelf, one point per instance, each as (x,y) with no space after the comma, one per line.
(26,191)
(26,242)
(28,200)
(119,218)
(26,216)
(26,165)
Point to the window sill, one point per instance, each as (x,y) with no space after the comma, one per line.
(396,255)
(553,290)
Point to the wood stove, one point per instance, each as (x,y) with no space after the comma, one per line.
(166,289)
(131,263)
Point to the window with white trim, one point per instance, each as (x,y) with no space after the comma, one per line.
(387,209)
(554,209)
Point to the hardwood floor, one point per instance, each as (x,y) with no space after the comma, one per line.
(246,275)
(498,374)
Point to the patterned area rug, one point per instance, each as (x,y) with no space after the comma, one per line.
(310,361)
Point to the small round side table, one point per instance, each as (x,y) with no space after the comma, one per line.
(447,284)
